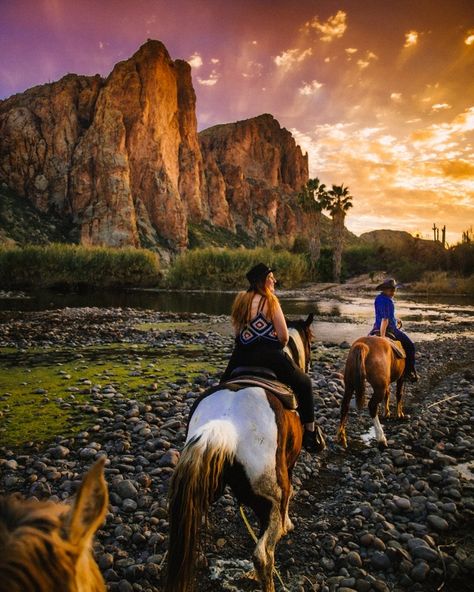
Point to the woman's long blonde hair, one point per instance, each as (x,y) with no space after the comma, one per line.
(242,306)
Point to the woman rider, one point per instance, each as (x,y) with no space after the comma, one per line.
(385,322)
(261,334)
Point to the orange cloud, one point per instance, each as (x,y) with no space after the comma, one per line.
(291,56)
(459,169)
(333,28)
(310,88)
(411,38)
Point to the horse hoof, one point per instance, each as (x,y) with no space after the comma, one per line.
(382,445)
(289,527)
(251,575)
(342,442)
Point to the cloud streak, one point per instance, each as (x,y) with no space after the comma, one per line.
(290,57)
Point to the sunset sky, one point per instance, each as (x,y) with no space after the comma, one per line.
(379,92)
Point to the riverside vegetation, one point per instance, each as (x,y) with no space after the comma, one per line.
(67,265)
(61,265)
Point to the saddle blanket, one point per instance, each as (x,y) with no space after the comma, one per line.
(396,345)
(281,391)
(398,349)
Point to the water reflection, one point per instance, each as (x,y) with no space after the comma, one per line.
(347,317)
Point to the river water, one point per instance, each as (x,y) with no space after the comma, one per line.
(339,318)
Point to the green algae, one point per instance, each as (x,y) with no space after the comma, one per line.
(43,391)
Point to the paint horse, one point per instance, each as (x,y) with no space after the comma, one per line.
(246,439)
(47,547)
(374,360)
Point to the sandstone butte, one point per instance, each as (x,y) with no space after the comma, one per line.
(121,159)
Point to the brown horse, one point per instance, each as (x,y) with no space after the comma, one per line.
(46,547)
(373,359)
(246,439)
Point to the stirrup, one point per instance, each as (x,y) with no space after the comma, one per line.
(314,441)
(411,376)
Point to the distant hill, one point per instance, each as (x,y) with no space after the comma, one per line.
(400,240)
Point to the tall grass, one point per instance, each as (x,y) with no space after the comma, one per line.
(440,282)
(226,268)
(64,265)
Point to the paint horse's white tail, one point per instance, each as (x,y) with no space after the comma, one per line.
(195,482)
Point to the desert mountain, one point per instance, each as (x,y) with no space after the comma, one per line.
(119,161)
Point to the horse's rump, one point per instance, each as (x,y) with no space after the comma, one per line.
(228,431)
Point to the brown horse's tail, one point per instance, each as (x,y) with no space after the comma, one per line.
(355,374)
(195,482)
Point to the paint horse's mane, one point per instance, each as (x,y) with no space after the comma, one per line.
(303,330)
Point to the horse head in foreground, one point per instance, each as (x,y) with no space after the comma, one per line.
(373,359)
(247,439)
(47,547)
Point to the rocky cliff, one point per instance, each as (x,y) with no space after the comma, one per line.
(121,161)
(261,168)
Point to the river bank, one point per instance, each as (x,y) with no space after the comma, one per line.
(80,383)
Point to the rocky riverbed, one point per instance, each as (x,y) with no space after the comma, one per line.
(120,383)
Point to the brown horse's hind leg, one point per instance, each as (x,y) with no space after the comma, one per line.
(387,403)
(377,398)
(400,413)
(346,401)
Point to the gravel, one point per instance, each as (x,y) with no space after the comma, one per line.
(365,520)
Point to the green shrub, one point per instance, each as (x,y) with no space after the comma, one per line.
(226,268)
(74,265)
(461,258)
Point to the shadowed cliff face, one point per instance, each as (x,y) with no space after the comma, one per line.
(121,158)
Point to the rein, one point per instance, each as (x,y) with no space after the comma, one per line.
(255,540)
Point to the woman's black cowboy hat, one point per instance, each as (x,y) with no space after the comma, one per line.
(257,273)
(388,283)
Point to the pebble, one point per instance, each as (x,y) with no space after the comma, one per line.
(126,489)
(380,561)
(59,452)
(402,503)
(437,522)
(420,571)
(353,558)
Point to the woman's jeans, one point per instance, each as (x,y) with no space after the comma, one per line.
(409,348)
(284,368)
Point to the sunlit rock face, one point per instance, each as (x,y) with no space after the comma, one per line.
(262,169)
(121,158)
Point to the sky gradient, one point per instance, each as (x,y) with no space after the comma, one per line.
(380,93)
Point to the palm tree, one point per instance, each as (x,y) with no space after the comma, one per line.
(340,201)
(313,199)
